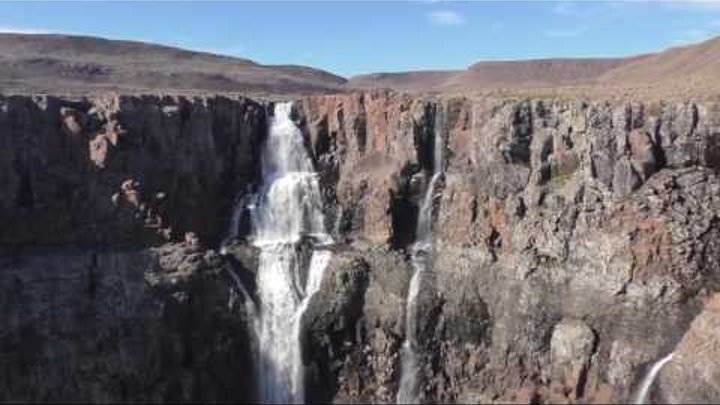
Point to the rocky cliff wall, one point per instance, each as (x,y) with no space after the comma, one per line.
(122,170)
(574,239)
(574,243)
(99,302)
(157,325)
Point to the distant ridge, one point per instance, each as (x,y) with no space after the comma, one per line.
(693,62)
(494,75)
(39,63)
(62,63)
(683,71)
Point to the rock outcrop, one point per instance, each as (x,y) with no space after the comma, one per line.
(549,210)
(693,375)
(123,170)
(575,241)
(99,302)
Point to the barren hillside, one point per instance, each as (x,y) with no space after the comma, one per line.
(71,64)
(689,72)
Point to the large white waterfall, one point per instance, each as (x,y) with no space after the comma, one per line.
(643,390)
(285,211)
(408,391)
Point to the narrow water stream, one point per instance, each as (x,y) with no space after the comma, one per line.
(641,396)
(421,259)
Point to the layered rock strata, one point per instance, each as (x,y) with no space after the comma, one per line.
(574,243)
(552,213)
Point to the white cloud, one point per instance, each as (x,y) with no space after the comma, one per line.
(446,17)
(17,30)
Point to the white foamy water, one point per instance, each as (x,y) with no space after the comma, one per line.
(409,389)
(287,208)
(641,396)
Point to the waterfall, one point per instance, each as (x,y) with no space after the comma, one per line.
(285,213)
(248,303)
(242,201)
(647,381)
(408,391)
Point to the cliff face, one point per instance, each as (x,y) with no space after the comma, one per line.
(154,325)
(98,304)
(574,242)
(572,239)
(122,170)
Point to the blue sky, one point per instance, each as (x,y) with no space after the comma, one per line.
(350,38)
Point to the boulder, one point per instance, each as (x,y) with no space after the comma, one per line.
(571,346)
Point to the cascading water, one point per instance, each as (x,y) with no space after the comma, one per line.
(647,381)
(285,213)
(408,391)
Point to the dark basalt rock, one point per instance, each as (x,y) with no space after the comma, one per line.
(157,325)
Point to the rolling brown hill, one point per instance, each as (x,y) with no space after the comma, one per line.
(543,72)
(73,64)
(689,71)
(699,62)
(494,75)
(428,80)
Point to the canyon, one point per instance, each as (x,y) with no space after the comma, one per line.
(526,249)
(574,243)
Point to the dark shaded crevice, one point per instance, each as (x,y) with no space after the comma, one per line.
(232,179)
(360,127)
(424,137)
(404,211)
(25,197)
(518,148)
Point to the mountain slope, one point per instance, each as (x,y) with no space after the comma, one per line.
(699,61)
(404,81)
(543,72)
(492,75)
(59,63)
(690,71)
(71,64)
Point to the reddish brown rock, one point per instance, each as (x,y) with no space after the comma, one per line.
(367,147)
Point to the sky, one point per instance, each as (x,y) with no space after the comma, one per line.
(350,38)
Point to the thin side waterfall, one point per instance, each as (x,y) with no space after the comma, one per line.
(641,396)
(242,201)
(285,213)
(248,304)
(409,389)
